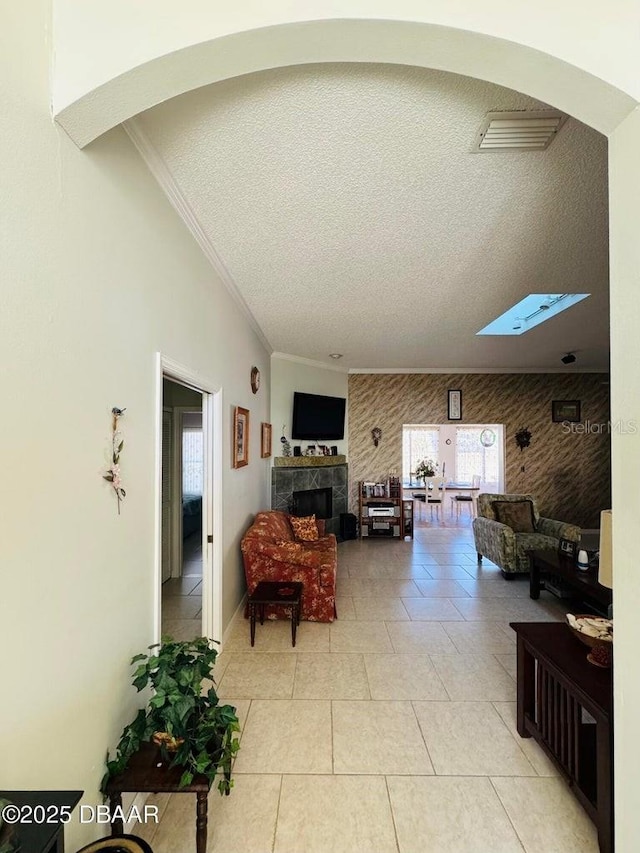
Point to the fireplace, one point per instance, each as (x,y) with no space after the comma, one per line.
(306,477)
(318,502)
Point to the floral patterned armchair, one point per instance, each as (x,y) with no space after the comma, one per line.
(271,553)
(508,549)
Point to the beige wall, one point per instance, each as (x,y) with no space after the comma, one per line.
(97,275)
(624,187)
(569,473)
(289,375)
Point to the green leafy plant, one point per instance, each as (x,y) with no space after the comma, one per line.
(183,712)
(426,468)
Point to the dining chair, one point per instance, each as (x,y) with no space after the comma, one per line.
(467,499)
(436,495)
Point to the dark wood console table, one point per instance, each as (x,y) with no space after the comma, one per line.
(552,566)
(556,686)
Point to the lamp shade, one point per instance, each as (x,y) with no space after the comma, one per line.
(605,568)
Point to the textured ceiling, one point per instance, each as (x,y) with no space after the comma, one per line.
(349,210)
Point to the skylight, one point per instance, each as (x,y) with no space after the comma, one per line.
(531,311)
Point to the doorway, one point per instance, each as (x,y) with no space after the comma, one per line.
(462,452)
(188,558)
(182,490)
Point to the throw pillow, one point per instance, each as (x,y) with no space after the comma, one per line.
(305,528)
(518,515)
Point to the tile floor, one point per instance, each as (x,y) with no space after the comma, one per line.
(392,729)
(182,597)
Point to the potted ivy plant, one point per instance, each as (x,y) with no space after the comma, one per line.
(183,715)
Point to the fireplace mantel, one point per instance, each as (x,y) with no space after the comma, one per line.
(308,461)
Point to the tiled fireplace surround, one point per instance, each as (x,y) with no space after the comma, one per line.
(286,481)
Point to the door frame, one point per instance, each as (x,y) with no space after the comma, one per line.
(167,367)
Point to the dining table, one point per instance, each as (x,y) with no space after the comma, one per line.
(452,486)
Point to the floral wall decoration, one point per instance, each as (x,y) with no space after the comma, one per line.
(117,443)
(523,438)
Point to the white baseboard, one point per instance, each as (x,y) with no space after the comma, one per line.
(239,613)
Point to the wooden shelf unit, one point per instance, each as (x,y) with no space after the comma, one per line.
(396,526)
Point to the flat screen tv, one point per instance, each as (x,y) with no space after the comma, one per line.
(317,417)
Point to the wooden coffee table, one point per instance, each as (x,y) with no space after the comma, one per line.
(548,565)
(282,593)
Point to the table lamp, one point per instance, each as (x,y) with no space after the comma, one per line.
(605,566)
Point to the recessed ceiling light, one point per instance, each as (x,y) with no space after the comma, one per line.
(531,311)
(335,355)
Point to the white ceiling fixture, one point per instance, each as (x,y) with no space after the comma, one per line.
(532,130)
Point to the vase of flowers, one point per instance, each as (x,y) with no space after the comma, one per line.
(425,469)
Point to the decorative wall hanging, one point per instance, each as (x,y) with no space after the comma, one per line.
(240,437)
(286,447)
(565,410)
(487,438)
(523,438)
(117,443)
(454,407)
(255,379)
(376,435)
(265,443)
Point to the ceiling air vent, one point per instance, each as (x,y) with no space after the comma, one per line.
(525,130)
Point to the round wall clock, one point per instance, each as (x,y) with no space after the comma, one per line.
(487,438)
(255,379)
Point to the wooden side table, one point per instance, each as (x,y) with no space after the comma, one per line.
(556,686)
(143,774)
(283,593)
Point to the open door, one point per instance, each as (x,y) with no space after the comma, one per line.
(167,493)
(189,480)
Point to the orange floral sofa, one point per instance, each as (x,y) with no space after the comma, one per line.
(271,553)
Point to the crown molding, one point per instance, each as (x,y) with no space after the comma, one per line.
(310,362)
(167,182)
(461,370)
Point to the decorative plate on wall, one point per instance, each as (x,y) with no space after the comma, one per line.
(487,438)
(255,379)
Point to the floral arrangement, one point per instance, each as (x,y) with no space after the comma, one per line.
(426,468)
(113,472)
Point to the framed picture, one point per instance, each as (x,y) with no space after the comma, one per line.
(265,441)
(565,410)
(454,408)
(240,437)
(566,548)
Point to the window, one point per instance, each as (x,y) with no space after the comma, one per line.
(418,442)
(192,461)
(475,458)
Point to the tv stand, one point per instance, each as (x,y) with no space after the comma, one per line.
(382,511)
